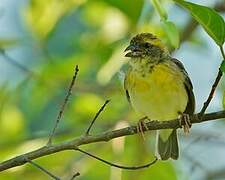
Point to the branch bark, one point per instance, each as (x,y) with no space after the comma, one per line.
(105,136)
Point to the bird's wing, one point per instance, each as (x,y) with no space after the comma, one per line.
(189,88)
(125,86)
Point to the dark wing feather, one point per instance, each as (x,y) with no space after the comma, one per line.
(125,87)
(189,88)
(127,95)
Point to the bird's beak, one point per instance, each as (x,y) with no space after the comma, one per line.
(130,47)
(133,49)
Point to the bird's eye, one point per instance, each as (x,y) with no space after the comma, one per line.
(146,45)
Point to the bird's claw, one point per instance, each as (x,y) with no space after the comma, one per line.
(185,122)
(141,126)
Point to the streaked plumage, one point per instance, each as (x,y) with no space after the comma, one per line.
(158,87)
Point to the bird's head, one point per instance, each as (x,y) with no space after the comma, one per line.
(146,45)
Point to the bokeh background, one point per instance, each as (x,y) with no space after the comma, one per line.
(44,40)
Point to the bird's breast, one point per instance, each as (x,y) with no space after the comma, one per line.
(159,94)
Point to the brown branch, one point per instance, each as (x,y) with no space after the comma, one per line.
(43,169)
(69,92)
(96,116)
(119,166)
(105,136)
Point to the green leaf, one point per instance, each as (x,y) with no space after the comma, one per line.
(211,21)
(222,66)
(172,33)
(223,99)
(159,8)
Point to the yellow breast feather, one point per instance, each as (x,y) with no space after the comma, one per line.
(159,94)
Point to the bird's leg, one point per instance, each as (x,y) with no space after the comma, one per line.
(141,126)
(187,123)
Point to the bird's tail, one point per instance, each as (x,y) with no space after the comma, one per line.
(167,144)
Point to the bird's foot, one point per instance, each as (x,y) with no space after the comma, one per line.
(185,122)
(142,126)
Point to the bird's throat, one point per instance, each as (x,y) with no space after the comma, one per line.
(143,65)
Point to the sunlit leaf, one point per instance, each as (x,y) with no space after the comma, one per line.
(210,20)
(172,33)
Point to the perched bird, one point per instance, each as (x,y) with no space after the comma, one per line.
(158,87)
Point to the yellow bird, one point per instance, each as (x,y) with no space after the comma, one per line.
(158,87)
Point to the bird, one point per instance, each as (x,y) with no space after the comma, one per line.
(159,88)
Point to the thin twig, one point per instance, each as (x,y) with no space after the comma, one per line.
(214,86)
(69,92)
(75,175)
(103,137)
(15,63)
(43,169)
(118,166)
(96,116)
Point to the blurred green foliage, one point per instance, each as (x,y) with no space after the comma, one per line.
(92,34)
